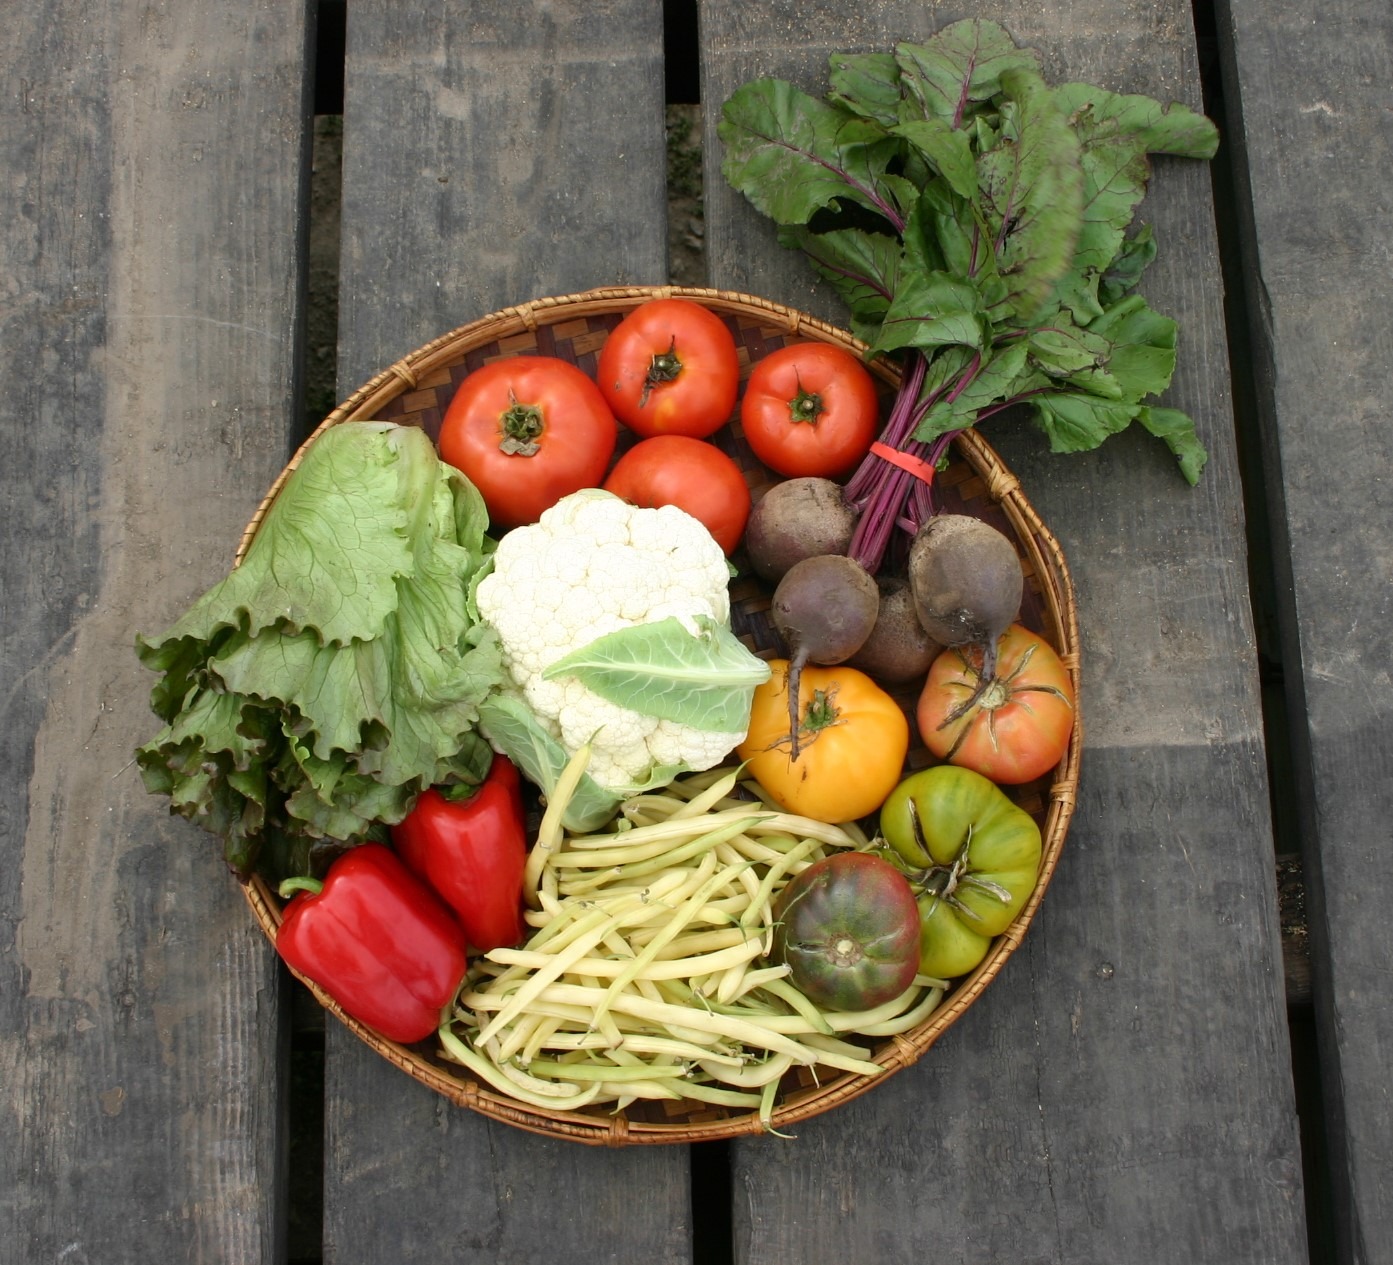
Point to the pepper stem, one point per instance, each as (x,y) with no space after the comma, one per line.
(302,883)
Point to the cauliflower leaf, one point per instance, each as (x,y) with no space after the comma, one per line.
(515,729)
(703,680)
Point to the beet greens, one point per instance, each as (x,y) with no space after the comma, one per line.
(974,220)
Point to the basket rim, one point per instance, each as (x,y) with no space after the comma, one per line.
(1051,570)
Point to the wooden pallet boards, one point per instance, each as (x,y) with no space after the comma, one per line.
(489,160)
(1121,1093)
(150,240)
(1310,110)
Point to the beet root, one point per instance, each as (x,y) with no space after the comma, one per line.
(824,608)
(967,583)
(794,520)
(899,648)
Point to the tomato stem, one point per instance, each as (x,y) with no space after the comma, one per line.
(994,890)
(664,367)
(989,692)
(805,407)
(943,880)
(821,712)
(521,425)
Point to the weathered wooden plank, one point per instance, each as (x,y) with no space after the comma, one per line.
(1311,111)
(492,157)
(489,159)
(1121,1093)
(149,247)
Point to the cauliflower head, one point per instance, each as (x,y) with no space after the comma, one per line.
(591,565)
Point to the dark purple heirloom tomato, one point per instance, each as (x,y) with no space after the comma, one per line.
(848,927)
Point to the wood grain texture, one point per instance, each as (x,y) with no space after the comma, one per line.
(1312,114)
(1121,1093)
(489,160)
(149,249)
(493,156)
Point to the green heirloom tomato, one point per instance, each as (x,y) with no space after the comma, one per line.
(973,857)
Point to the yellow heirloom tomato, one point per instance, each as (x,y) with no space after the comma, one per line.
(852,738)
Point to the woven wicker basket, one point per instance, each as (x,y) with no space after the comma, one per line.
(416,391)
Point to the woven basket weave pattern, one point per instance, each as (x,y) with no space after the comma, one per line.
(416,391)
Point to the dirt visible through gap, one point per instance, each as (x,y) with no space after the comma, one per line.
(686,228)
(322,311)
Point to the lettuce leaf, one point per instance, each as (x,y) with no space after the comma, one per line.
(318,688)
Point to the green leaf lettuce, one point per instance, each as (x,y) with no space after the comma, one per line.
(315,691)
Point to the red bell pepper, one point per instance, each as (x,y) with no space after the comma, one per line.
(377,940)
(473,851)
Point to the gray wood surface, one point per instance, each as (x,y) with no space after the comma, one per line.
(150,252)
(489,159)
(1121,1093)
(1312,114)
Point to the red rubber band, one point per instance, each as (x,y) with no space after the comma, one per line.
(907,462)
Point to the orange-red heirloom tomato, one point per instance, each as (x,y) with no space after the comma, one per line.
(670,368)
(810,409)
(691,474)
(526,431)
(1018,727)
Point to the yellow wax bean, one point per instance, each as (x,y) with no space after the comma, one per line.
(644,962)
(694,838)
(695,942)
(636,968)
(759,909)
(909,1019)
(754,979)
(552,1096)
(752,1075)
(594,924)
(735,1028)
(635,844)
(604,1070)
(715,1094)
(550,832)
(706,800)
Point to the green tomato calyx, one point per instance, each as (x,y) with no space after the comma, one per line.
(805,407)
(943,881)
(821,713)
(522,426)
(664,367)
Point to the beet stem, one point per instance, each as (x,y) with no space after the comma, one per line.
(883,495)
(796,664)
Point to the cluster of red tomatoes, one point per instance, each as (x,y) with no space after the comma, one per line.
(528,430)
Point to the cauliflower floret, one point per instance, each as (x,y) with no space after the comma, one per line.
(591,565)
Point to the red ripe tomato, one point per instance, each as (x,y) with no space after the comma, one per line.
(1018,728)
(670,368)
(691,474)
(526,431)
(810,409)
